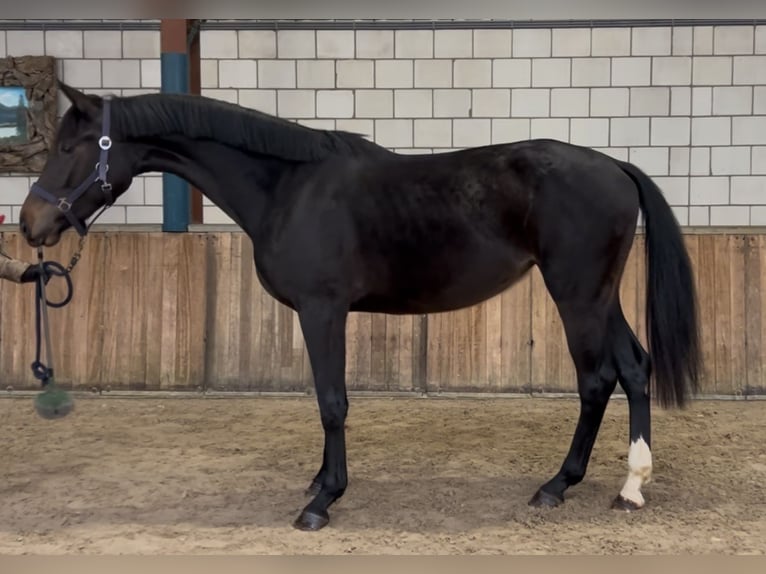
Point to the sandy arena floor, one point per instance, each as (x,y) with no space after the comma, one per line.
(427,476)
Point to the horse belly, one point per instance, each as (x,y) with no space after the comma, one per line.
(453,281)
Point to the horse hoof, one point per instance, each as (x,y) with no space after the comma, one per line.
(314,489)
(545,499)
(311,521)
(622,503)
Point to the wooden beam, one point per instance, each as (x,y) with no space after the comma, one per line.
(195,84)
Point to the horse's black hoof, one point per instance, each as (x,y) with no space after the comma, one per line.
(545,499)
(621,503)
(311,521)
(313,490)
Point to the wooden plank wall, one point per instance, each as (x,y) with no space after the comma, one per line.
(186,311)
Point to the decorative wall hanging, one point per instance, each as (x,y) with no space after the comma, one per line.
(27,112)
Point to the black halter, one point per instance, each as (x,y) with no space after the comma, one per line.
(99,173)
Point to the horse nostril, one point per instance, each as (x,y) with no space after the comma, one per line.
(24,229)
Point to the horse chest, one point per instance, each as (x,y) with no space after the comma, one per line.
(271,283)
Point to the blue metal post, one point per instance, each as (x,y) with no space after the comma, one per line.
(176,204)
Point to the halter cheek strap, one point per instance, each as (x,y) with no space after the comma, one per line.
(99,174)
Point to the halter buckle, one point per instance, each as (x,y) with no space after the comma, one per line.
(64,204)
(105,142)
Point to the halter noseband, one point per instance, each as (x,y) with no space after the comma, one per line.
(99,173)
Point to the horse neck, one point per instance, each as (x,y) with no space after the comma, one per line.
(241,184)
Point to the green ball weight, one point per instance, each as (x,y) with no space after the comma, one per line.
(53,403)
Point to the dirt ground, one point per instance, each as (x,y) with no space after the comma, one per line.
(427,476)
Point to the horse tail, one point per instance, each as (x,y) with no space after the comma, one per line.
(671,305)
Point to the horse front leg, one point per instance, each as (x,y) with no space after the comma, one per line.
(323,325)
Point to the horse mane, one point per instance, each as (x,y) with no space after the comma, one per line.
(198,117)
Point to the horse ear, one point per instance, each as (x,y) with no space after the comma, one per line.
(82,102)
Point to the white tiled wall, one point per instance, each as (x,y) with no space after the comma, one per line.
(687,104)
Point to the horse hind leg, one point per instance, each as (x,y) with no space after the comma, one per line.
(633,369)
(586,325)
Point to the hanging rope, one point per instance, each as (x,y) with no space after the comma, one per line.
(53,402)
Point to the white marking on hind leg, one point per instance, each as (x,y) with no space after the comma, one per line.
(639,471)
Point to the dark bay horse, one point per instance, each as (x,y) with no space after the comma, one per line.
(339,224)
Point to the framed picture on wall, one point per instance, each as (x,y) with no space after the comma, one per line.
(27,112)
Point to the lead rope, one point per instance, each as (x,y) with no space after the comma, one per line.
(52,402)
